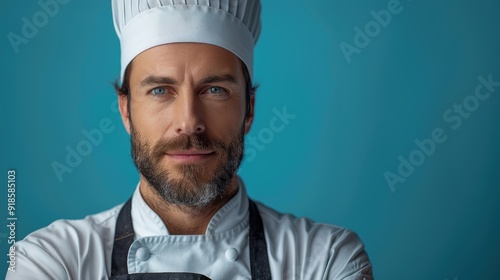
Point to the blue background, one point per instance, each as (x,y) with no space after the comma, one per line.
(352,122)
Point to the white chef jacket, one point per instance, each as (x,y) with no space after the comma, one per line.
(297,247)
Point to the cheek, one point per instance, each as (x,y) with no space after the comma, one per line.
(223,121)
(149,119)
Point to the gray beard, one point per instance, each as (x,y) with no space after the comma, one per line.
(192,190)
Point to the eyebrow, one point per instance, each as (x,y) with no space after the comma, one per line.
(217,79)
(155,80)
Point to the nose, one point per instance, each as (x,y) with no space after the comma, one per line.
(188,115)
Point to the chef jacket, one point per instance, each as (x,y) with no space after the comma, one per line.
(297,247)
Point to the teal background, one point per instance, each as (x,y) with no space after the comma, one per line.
(352,121)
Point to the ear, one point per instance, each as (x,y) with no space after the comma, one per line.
(124,113)
(249,117)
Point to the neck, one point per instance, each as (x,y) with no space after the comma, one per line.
(185,220)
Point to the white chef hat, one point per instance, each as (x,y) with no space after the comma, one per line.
(231,24)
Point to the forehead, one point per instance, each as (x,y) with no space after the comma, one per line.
(186,60)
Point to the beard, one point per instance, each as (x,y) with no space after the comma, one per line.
(197,185)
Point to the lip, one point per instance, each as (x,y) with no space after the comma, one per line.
(190,156)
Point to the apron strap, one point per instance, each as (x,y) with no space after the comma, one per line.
(259,261)
(124,237)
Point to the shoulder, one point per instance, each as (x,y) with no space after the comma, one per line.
(74,232)
(67,247)
(302,227)
(308,247)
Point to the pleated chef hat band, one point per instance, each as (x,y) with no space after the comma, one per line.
(231,24)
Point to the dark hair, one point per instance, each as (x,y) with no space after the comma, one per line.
(124,88)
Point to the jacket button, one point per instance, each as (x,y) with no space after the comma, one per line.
(142,254)
(231,254)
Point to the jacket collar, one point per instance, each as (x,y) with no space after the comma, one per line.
(147,223)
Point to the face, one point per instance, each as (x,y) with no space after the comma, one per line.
(187,117)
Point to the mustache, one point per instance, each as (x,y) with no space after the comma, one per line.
(185,142)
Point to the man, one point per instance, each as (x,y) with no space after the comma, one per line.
(186,98)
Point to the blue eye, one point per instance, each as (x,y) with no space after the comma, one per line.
(216,90)
(158,91)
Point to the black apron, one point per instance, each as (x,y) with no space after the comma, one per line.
(124,236)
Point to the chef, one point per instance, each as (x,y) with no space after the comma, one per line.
(186,98)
